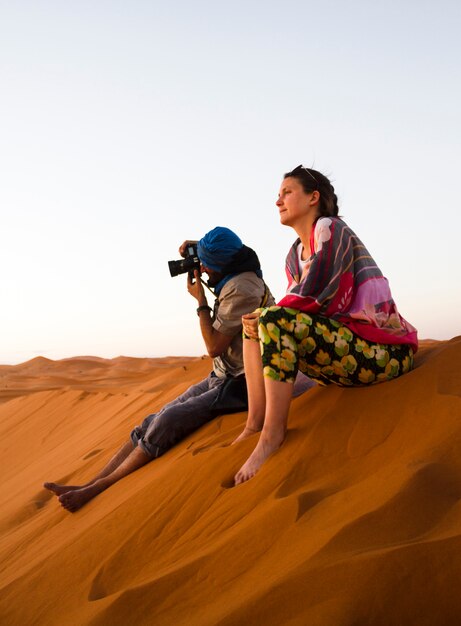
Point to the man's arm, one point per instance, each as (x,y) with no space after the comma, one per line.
(216,343)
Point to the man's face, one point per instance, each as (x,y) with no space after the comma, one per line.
(213,276)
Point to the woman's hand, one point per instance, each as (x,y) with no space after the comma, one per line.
(250,323)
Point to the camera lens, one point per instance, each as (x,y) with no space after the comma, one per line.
(189,264)
(175,268)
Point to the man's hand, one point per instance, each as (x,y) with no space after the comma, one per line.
(216,342)
(185,245)
(250,323)
(196,288)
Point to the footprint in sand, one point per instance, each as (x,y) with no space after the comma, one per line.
(307,500)
(92,453)
(211,446)
(27,511)
(228,483)
(42,498)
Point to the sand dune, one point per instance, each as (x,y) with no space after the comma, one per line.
(355,521)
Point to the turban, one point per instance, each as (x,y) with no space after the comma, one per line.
(218,247)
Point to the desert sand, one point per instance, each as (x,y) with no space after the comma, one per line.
(355,521)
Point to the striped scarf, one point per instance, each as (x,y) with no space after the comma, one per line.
(342,281)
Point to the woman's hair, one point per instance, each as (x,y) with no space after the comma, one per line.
(311,180)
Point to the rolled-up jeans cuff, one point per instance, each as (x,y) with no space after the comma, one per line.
(151,450)
(134,438)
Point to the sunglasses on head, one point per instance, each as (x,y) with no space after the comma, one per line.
(301,167)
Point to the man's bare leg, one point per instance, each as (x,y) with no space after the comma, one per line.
(278,400)
(75,499)
(118,458)
(256,392)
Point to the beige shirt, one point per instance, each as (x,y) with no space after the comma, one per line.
(241,294)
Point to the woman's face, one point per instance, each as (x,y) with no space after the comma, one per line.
(294,204)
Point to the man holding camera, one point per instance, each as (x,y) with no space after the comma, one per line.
(235,275)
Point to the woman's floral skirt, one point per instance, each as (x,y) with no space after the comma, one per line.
(325,350)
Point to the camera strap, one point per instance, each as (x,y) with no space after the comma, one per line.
(265,297)
(209,288)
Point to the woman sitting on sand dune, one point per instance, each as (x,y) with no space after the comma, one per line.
(337,322)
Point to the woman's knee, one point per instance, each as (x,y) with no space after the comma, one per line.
(270,314)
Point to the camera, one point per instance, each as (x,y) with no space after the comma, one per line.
(188,264)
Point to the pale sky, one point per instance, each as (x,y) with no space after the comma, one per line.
(127,127)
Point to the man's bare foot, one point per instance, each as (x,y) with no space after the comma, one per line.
(74,500)
(58,489)
(264,448)
(247,432)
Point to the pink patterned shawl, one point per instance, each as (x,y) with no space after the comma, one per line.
(343,282)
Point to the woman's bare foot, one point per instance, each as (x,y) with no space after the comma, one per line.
(247,432)
(75,499)
(58,489)
(264,448)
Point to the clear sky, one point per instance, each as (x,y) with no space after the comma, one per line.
(127,127)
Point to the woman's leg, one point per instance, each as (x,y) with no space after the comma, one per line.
(278,400)
(255,385)
(279,367)
(323,349)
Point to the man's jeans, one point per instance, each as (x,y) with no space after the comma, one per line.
(176,420)
(161,431)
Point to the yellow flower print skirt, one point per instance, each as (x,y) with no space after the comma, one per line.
(325,350)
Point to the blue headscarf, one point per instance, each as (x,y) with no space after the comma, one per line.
(223,251)
(216,249)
